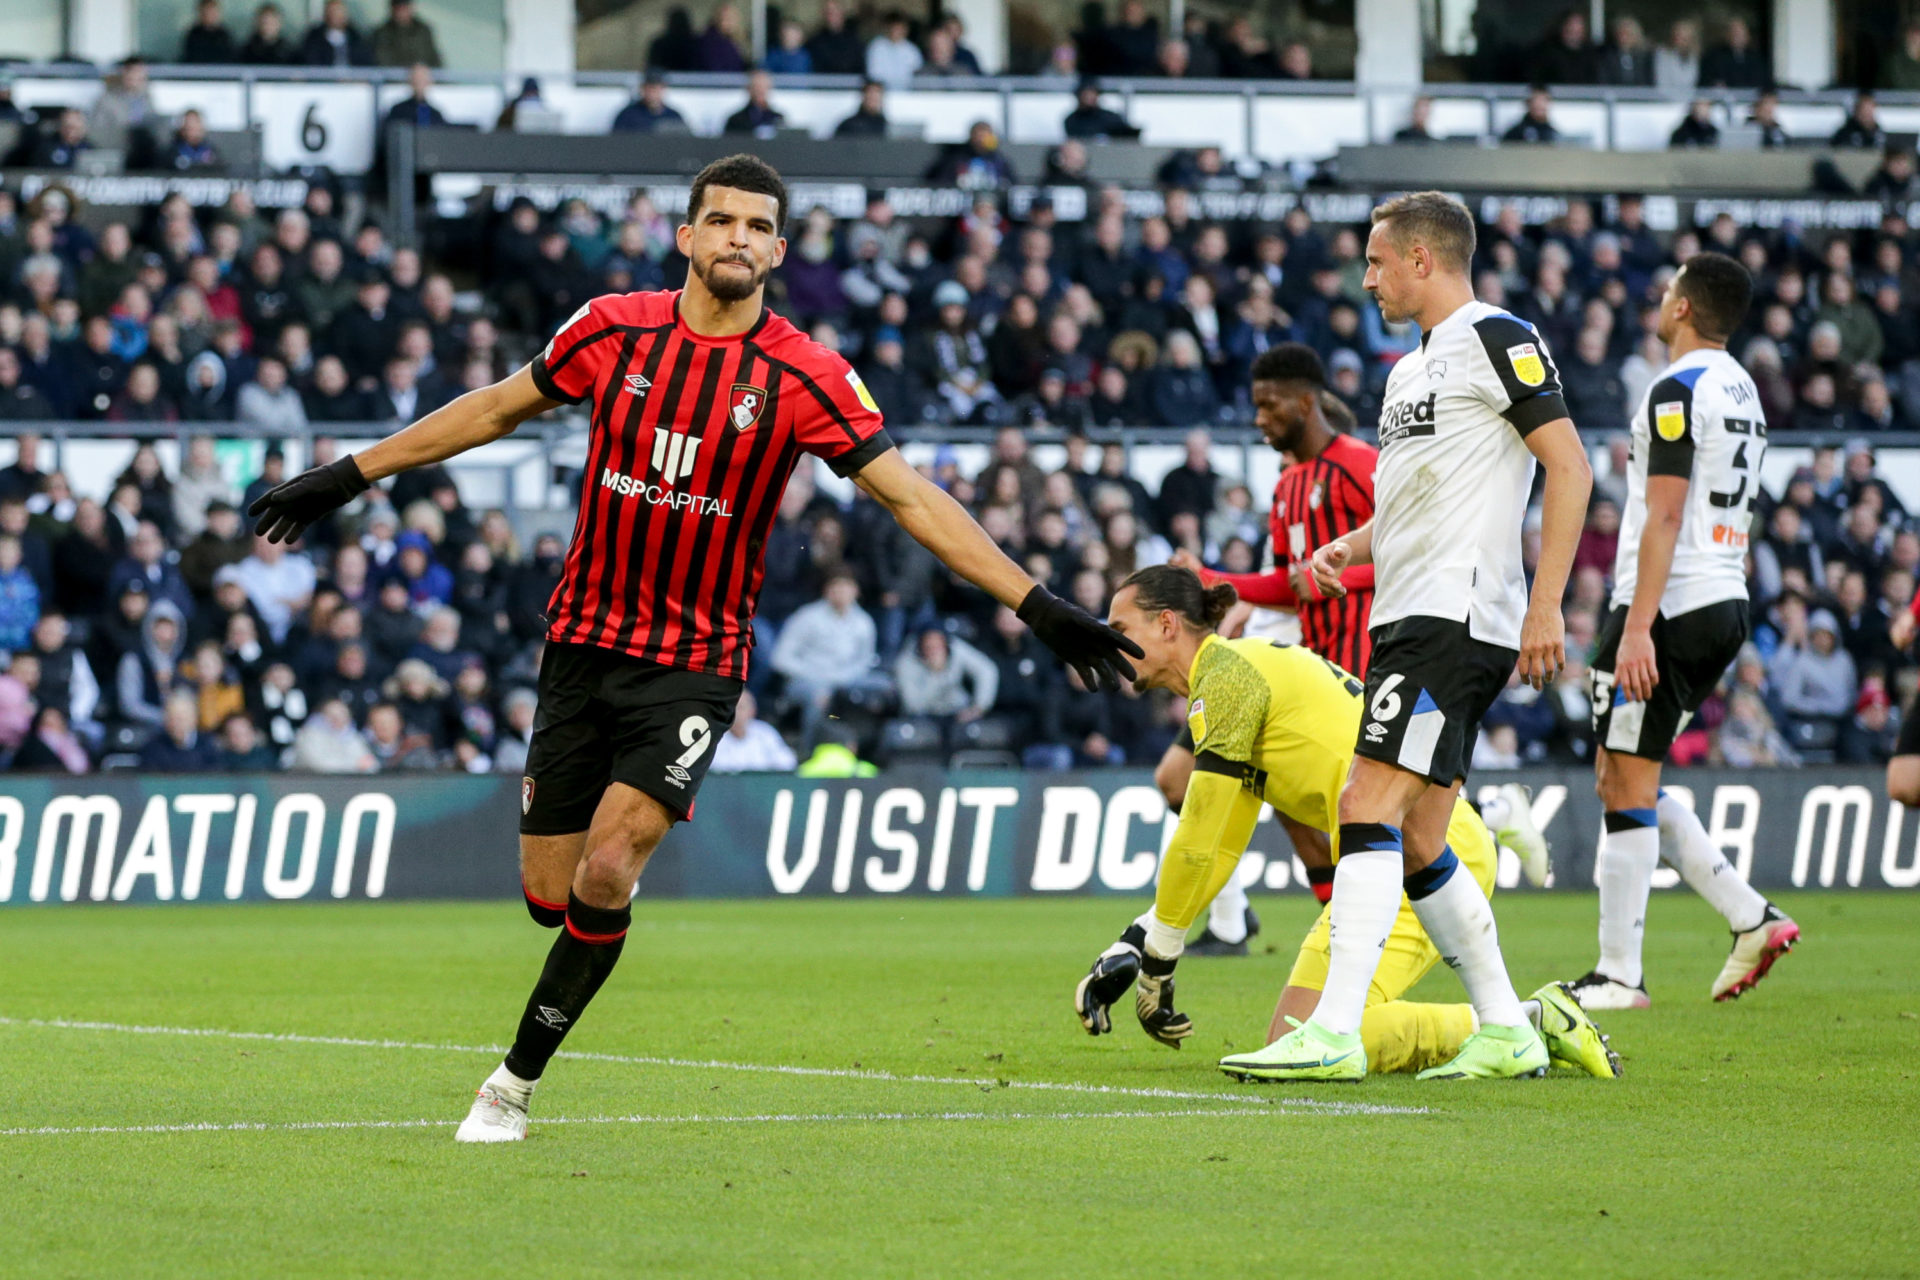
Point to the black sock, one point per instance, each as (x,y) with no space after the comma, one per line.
(548,915)
(582,957)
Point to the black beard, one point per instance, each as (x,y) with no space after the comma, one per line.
(727,288)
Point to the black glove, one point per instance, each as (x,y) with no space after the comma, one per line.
(285,511)
(1079,639)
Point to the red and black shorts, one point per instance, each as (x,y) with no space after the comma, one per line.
(611,717)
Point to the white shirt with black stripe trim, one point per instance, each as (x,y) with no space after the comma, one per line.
(1700,419)
(1450,494)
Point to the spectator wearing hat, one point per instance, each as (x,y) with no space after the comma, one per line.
(649,113)
(148,673)
(404,39)
(427,580)
(365,331)
(220,542)
(1089,120)
(977,164)
(1812,676)
(870,119)
(952,357)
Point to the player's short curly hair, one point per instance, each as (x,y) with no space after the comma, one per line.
(743,173)
(1290,362)
(1431,218)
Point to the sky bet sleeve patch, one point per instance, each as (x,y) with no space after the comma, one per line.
(1670,419)
(860,389)
(1527,365)
(1197,720)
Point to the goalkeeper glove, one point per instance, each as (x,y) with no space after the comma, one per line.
(1092,648)
(284,511)
(1112,973)
(1153,1002)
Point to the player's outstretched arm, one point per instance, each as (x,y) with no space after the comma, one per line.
(942,526)
(1563,513)
(1634,668)
(283,513)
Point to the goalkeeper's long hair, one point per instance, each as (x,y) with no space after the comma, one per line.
(1166,586)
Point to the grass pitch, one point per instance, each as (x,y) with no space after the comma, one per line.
(893,1123)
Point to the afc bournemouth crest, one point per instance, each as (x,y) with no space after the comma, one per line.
(744,405)
(526,795)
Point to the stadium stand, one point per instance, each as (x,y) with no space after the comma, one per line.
(198,296)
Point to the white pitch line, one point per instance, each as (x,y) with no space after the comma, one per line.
(49,1131)
(838,1073)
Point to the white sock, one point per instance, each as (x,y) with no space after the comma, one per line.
(1366,898)
(1459,921)
(1227,917)
(1688,849)
(504,1081)
(1627,859)
(1164,942)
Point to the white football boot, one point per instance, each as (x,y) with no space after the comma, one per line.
(1753,954)
(1596,991)
(499,1112)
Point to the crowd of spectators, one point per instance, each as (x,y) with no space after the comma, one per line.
(891,48)
(1833,565)
(403,40)
(897,48)
(223,320)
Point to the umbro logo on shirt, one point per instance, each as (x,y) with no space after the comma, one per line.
(637,383)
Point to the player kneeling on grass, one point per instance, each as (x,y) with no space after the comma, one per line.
(1275,723)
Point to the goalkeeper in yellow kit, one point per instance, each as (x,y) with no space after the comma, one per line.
(1276,724)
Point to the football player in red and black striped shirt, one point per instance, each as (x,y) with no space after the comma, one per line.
(1326,491)
(700,405)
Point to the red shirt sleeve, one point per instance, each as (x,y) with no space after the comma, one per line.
(1268,590)
(581,354)
(836,418)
